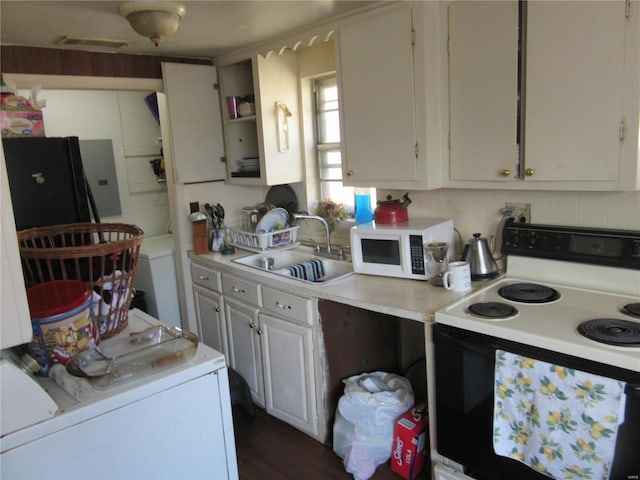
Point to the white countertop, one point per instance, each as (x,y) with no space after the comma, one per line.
(412,299)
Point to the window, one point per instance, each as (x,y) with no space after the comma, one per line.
(328,143)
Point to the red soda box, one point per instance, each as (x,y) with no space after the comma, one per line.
(409,442)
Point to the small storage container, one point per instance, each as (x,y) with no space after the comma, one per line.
(62,321)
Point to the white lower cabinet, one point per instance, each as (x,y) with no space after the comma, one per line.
(209,304)
(210,317)
(245,355)
(289,382)
(267,336)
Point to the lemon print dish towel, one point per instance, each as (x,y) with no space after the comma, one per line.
(561,422)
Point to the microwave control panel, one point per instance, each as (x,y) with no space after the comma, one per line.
(417,254)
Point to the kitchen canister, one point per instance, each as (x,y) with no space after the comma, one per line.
(62,321)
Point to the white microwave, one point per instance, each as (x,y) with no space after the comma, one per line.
(397,249)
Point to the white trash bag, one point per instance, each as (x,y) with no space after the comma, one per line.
(365,420)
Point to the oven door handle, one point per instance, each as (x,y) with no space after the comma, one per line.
(467,342)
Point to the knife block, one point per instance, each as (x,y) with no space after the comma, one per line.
(200,237)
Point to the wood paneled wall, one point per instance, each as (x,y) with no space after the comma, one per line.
(52,61)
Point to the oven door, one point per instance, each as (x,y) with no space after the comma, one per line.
(464,369)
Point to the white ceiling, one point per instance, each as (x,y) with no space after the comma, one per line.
(209,29)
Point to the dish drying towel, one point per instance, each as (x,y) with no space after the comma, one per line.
(558,421)
(312,270)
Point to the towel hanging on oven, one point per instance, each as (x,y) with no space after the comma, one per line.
(558,421)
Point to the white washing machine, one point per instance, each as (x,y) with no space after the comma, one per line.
(157,278)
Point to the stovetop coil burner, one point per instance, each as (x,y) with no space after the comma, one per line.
(632,309)
(529,293)
(612,331)
(492,309)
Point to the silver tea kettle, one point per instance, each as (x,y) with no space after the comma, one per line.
(478,254)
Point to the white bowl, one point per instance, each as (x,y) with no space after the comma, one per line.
(245,109)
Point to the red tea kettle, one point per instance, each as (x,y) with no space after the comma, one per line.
(392,211)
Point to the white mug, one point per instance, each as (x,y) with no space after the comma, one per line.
(457,277)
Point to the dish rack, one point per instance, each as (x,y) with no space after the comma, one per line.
(263,241)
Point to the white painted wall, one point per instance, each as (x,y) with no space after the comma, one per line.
(123,117)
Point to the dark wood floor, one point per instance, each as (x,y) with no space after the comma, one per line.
(269,449)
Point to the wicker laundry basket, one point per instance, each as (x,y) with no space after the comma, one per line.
(103,255)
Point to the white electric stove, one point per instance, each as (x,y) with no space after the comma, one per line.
(570,296)
(570,299)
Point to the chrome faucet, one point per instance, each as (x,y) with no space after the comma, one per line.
(340,255)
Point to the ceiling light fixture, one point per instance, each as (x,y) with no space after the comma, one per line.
(154,20)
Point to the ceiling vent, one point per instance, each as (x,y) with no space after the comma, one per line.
(92,42)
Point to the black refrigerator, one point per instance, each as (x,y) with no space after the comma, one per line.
(47,181)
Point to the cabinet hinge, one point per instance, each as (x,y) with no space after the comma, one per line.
(627,9)
(449,140)
(621,131)
(417,150)
(413,37)
(216,86)
(223,159)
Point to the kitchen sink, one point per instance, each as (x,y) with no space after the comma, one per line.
(301,259)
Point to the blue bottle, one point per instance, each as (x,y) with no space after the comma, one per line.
(363,205)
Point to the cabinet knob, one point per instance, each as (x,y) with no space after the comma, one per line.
(529,172)
(202,277)
(505,172)
(283,306)
(350,172)
(259,331)
(252,325)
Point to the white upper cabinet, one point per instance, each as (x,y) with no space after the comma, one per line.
(378,69)
(576,127)
(262,148)
(575,91)
(483,85)
(194,121)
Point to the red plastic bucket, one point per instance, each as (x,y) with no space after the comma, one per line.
(62,321)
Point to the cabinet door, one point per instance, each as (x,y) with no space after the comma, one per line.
(483,96)
(377,104)
(288,372)
(15,328)
(195,122)
(244,345)
(270,135)
(210,317)
(277,93)
(574,90)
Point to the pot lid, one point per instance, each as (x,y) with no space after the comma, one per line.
(283,196)
(57,297)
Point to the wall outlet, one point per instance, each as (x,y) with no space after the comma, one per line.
(521,211)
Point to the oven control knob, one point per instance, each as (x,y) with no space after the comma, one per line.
(514,238)
(635,249)
(532,240)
